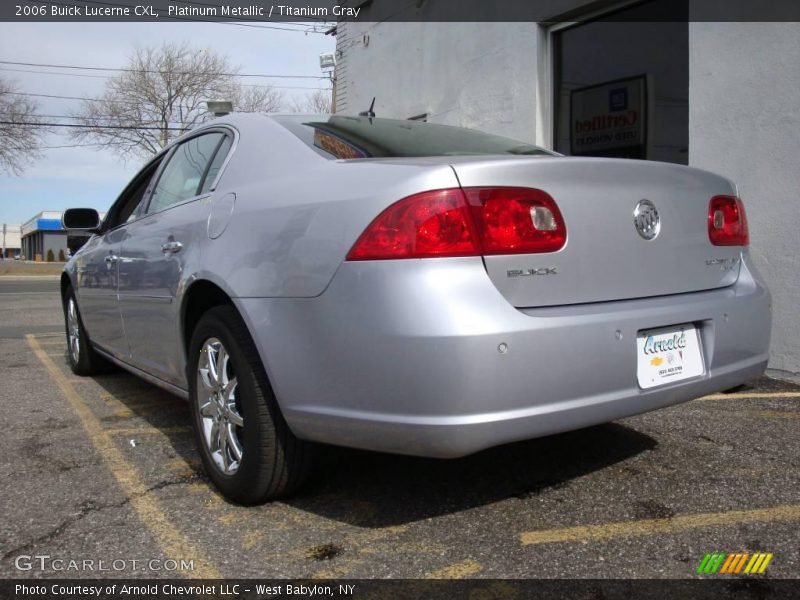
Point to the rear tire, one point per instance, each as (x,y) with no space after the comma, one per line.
(245,444)
(83,359)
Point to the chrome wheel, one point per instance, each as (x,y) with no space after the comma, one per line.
(218,405)
(73,331)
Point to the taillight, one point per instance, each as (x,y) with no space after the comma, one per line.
(727,222)
(516,220)
(468,222)
(435,223)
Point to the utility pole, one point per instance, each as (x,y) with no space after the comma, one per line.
(3,256)
(327,63)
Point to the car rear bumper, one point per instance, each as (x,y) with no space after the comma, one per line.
(403,356)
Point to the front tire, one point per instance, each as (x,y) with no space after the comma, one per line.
(246,446)
(83,360)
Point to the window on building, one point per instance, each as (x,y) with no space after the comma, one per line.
(622,85)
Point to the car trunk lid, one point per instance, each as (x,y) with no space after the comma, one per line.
(605,257)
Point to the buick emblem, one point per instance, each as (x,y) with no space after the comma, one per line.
(646,219)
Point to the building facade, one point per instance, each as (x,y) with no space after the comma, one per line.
(11,241)
(580,80)
(44,238)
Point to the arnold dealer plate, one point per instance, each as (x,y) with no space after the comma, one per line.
(668,354)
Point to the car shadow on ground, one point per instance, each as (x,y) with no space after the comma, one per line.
(371,489)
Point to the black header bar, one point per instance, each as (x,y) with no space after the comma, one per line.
(324,12)
(402,589)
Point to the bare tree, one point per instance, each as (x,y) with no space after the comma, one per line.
(21,134)
(318,102)
(257,99)
(162,93)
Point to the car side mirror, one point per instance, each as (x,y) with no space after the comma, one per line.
(81,219)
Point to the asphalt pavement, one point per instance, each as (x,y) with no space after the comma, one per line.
(23,285)
(105,469)
(27,305)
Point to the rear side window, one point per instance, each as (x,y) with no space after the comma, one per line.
(183,175)
(216,164)
(338,137)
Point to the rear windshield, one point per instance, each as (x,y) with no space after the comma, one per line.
(338,137)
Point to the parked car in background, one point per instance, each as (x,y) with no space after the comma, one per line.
(408,287)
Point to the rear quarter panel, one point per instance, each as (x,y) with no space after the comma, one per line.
(297,214)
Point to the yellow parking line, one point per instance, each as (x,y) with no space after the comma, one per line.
(459,570)
(183,468)
(338,571)
(758,414)
(232,517)
(181,463)
(146,430)
(53,342)
(753,395)
(251,538)
(139,400)
(676,524)
(123,414)
(774,414)
(148,508)
(147,396)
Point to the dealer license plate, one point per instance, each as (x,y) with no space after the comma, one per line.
(668,354)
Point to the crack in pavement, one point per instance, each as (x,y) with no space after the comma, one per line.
(89,506)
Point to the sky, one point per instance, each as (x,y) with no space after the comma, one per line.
(83,177)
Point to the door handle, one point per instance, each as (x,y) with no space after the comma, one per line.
(171,247)
(111,259)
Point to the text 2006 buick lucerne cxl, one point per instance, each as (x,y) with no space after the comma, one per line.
(408,287)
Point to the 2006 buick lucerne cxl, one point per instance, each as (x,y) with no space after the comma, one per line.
(408,287)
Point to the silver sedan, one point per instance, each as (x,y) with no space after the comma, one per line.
(408,287)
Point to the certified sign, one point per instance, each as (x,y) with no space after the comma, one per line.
(610,119)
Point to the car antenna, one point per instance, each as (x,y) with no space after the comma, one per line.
(370,112)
